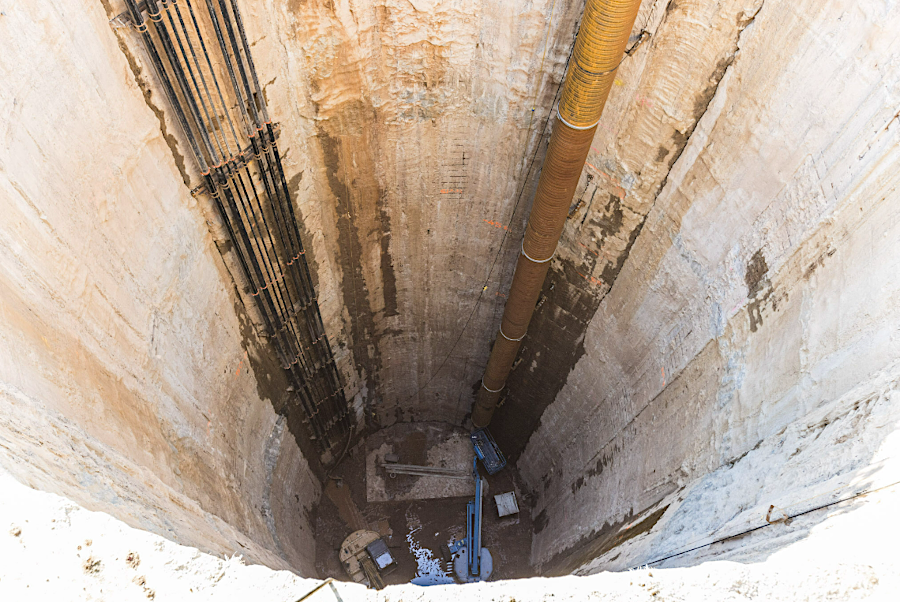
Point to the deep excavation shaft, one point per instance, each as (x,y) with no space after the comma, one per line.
(599,49)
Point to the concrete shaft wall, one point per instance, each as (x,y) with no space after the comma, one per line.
(411,128)
(130,377)
(720,310)
(136,336)
(720,332)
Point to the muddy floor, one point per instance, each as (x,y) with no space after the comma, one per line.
(414,529)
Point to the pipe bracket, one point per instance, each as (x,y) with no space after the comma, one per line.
(574,127)
(492,390)
(509,339)
(533,260)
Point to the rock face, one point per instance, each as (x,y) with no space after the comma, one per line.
(721,309)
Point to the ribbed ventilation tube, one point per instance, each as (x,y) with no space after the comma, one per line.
(599,48)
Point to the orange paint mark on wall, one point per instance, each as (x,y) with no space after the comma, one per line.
(591,279)
(590,250)
(451,190)
(240,364)
(495,224)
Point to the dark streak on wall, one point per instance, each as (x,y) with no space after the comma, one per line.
(389,279)
(146,90)
(305,236)
(599,542)
(354,291)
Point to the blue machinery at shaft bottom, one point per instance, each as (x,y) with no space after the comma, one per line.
(473,562)
(473,525)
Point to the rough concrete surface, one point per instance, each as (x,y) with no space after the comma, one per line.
(408,128)
(762,288)
(717,342)
(128,379)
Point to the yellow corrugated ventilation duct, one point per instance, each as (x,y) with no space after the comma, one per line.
(599,49)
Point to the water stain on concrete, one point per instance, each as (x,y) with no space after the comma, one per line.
(354,291)
(611,271)
(305,237)
(147,92)
(540,522)
(755,275)
(759,290)
(389,279)
(272,384)
(603,461)
(817,263)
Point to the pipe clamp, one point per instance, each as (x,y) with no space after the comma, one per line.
(574,127)
(491,390)
(533,260)
(509,339)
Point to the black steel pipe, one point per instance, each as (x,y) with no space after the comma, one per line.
(273,263)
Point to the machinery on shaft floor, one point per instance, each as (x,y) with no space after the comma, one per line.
(472,561)
(366,558)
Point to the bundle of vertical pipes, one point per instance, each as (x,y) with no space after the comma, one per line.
(599,49)
(241,170)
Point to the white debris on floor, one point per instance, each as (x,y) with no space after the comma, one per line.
(430,570)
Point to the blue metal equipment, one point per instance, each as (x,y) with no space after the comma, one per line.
(473,525)
(487,451)
(473,562)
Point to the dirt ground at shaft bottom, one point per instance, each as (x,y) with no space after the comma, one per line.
(429,523)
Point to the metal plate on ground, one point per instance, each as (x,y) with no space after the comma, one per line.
(506,504)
